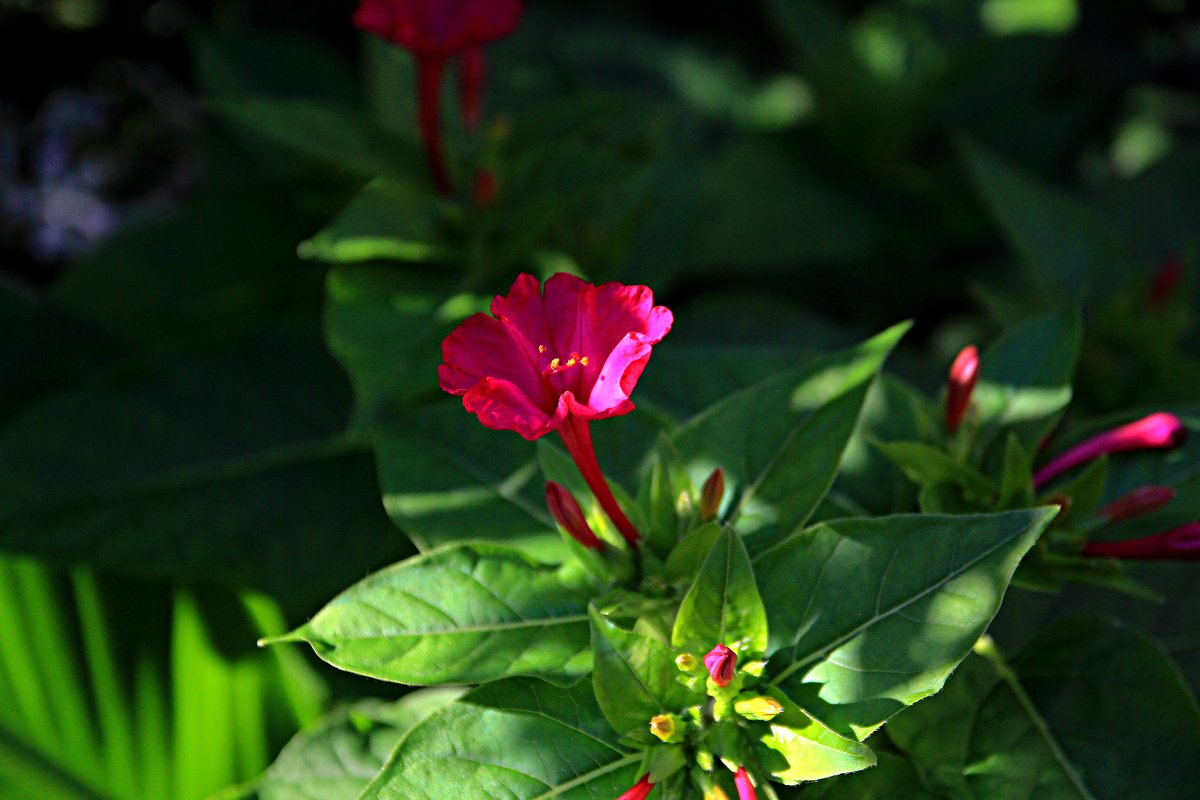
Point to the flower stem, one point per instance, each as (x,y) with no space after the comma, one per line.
(577,436)
(429,89)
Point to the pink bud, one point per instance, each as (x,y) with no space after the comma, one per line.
(1159,430)
(639,790)
(720,663)
(1139,501)
(745,789)
(964,373)
(711,495)
(1182,544)
(1166,281)
(567,513)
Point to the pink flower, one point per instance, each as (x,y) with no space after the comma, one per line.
(435,30)
(1140,501)
(1159,430)
(555,362)
(1182,543)
(745,789)
(964,373)
(720,663)
(567,513)
(639,790)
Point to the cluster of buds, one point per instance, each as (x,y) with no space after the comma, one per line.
(723,679)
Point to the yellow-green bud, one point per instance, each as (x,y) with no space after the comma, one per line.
(704,760)
(715,792)
(686,662)
(759,707)
(664,726)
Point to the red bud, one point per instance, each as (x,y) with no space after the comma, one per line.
(711,495)
(1159,430)
(567,513)
(1138,502)
(964,373)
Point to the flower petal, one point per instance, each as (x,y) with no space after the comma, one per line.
(484,347)
(502,406)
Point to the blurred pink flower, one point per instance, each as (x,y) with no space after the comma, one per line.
(1159,430)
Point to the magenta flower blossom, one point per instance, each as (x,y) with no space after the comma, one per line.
(1181,544)
(1159,430)
(555,362)
(1140,501)
(639,789)
(720,663)
(964,373)
(745,788)
(436,30)
(567,513)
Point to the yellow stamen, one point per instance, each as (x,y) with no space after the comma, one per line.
(541,348)
(584,360)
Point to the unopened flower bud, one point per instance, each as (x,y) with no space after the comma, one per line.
(759,707)
(745,787)
(1166,281)
(567,513)
(639,790)
(664,726)
(711,495)
(1179,544)
(720,663)
(1140,501)
(686,662)
(715,792)
(1159,430)
(964,373)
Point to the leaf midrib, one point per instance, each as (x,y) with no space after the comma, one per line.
(839,641)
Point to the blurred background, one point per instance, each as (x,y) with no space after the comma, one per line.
(225,271)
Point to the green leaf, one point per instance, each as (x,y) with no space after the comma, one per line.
(780,442)
(869,616)
(338,756)
(635,677)
(685,560)
(387,220)
(1089,710)
(1025,379)
(518,739)
(723,605)
(810,750)
(1075,253)
(446,478)
(929,466)
(461,614)
(1016,484)
(893,778)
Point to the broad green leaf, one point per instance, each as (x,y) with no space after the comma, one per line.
(211,467)
(1076,253)
(446,478)
(1089,710)
(1025,379)
(685,560)
(635,677)
(464,613)
(869,616)
(809,750)
(519,739)
(927,466)
(780,442)
(893,778)
(338,756)
(723,605)
(387,220)
(386,326)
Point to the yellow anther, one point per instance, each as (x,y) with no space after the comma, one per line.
(541,348)
(570,362)
(554,364)
(584,360)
